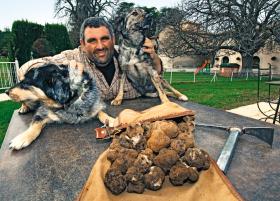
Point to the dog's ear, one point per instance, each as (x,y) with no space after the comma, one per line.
(120,30)
(59,88)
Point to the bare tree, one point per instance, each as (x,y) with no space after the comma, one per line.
(181,36)
(239,25)
(78,10)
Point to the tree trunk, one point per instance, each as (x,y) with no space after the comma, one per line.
(247,63)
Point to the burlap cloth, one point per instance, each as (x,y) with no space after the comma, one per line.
(212,185)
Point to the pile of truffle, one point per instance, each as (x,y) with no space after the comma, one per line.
(143,155)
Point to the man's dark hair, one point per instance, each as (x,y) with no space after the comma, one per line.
(95,22)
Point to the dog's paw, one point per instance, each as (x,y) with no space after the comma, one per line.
(20,142)
(23,109)
(183,98)
(116,102)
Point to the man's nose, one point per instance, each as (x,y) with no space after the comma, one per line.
(99,45)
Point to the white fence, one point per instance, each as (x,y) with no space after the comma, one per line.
(8,74)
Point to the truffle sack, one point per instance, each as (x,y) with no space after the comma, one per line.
(211,185)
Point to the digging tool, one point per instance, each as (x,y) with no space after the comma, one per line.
(265,134)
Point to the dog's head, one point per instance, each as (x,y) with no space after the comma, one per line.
(133,26)
(49,83)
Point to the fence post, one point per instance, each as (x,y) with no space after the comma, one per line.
(170,80)
(17,69)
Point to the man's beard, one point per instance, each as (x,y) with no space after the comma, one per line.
(98,62)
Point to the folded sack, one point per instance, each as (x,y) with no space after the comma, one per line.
(212,183)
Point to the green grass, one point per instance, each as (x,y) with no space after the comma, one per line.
(6,111)
(222,94)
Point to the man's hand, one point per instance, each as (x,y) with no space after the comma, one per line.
(149,48)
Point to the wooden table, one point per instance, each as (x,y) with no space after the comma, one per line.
(58,163)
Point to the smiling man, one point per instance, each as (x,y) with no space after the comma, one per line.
(98,57)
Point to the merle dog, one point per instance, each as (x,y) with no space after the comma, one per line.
(136,64)
(58,93)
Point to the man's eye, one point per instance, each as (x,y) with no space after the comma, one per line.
(91,40)
(105,38)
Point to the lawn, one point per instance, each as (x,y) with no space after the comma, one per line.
(6,111)
(222,94)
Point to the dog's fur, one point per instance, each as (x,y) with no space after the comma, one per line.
(136,64)
(58,94)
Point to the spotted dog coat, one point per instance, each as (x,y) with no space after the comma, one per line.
(58,93)
(137,65)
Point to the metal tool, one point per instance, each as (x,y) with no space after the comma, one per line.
(265,134)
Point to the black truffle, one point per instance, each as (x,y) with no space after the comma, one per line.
(166,159)
(154,178)
(198,158)
(181,173)
(115,181)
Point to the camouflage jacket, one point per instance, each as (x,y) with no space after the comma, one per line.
(108,92)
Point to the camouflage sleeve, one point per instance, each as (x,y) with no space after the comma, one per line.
(63,58)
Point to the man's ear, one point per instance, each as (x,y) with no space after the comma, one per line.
(82,42)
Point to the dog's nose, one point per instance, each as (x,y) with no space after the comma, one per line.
(7,92)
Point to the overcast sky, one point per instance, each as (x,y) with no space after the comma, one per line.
(42,11)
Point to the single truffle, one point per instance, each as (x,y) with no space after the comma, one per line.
(139,142)
(136,188)
(179,146)
(147,128)
(154,178)
(181,173)
(120,152)
(133,138)
(198,158)
(149,153)
(133,175)
(120,164)
(188,118)
(115,181)
(143,162)
(135,180)
(166,159)
(158,140)
(125,141)
(134,130)
(187,125)
(169,128)
(188,138)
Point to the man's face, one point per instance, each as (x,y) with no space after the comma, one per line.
(98,45)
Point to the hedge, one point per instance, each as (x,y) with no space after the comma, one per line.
(25,33)
(58,37)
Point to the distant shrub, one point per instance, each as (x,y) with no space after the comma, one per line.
(6,39)
(42,48)
(50,39)
(58,37)
(25,33)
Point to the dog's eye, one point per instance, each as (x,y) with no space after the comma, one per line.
(134,13)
